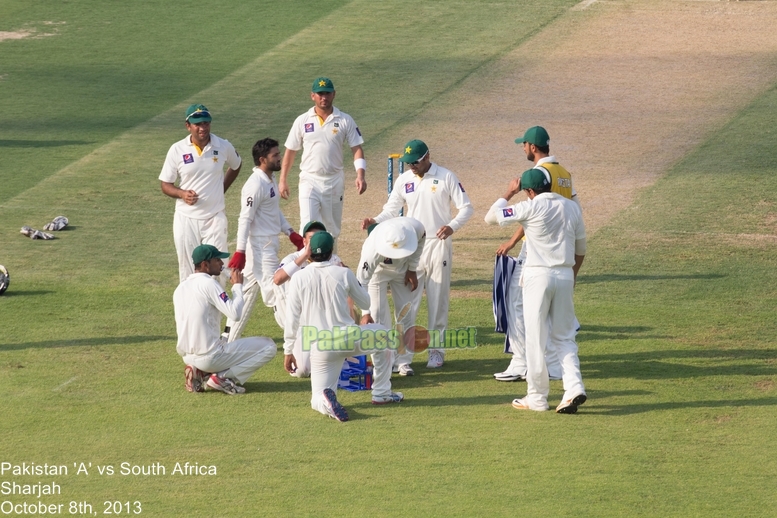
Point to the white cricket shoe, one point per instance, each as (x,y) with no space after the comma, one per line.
(394,397)
(225,385)
(436,358)
(405,370)
(333,407)
(523,404)
(569,406)
(509,375)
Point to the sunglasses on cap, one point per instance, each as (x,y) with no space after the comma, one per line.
(419,160)
(198,115)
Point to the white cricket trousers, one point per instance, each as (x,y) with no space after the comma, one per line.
(240,358)
(434,276)
(325,367)
(190,233)
(302,357)
(516,331)
(382,279)
(549,315)
(321,199)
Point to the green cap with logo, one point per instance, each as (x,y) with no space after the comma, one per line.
(321,243)
(206,253)
(197,113)
(323,84)
(535,135)
(313,225)
(414,151)
(534,179)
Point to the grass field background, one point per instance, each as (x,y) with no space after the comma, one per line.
(676,296)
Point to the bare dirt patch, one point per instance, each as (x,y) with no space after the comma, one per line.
(15,35)
(765,385)
(625,90)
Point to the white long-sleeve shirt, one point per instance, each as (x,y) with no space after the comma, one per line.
(371,261)
(318,296)
(554,228)
(260,211)
(429,200)
(199,303)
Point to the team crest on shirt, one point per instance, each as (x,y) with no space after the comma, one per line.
(188,158)
(507,213)
(388,260)
(337,124)
(435,182)
(215,152)
(272,192)
(461,187)
(409,187)
(223,296)
(309,127)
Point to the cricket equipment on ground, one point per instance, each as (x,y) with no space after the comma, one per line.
(5,279)
(334,409)
(35,234)
(523,404)
(436,359)
(57,223)
(569,406)
(225,385)
(508,376)
(394,397)
(416,339)
(296,240)
(238,261)
(194,379)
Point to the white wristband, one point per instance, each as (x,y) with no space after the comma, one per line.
(360,163)
(291,268)
(365,312)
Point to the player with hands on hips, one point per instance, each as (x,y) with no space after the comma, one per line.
(197,163)
(317,306)
(429,190)
(212,361)
(389,259)
(321,133)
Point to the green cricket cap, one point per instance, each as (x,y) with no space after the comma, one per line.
(323,84)
(371,228)
(206,253)
(414,151)
(534,179)
(321,243)
(312,225)
(535,135)
(197,113)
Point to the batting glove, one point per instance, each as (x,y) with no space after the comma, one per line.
(238,261)
(296,239)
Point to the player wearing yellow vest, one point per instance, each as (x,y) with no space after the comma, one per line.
(536,145)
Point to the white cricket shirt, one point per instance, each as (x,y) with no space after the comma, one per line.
(201,173)
(322,144)
(199,303)
(371,261)
(260,212)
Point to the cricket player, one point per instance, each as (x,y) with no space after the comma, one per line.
(199,303)
(428,190)
(317,306)
(197,163)
(290,265)
(536,146)
(320,133)
(260,222)
(389,259)
(555,236)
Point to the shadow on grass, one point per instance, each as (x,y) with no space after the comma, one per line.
(43,143)
(616,410)
(612,277)
(472,282)
(111,340)
(12,293)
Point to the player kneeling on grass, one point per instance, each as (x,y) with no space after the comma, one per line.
(317,306)
(199,303)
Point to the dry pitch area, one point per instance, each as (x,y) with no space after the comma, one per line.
(625,89)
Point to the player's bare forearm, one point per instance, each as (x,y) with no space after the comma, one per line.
(230,176)
(578,264)
(286,163)
(361,181)
(190,197)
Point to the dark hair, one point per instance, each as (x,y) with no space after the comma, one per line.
(320,258)
(262,148)
(543,149)
(544,188)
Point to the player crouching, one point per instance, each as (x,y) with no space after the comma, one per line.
(211,361)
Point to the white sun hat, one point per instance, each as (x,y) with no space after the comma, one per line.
(395,238)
